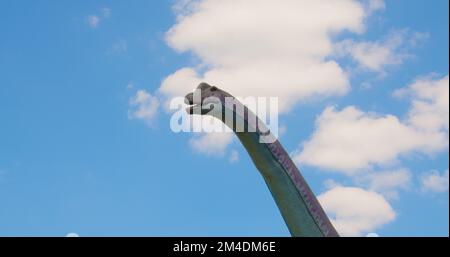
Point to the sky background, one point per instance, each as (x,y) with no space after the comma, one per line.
(86,146)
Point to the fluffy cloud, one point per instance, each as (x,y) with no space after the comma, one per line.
(143,106)
(214,143)
(378,55)
(351,140)
(430,105)
(387,182)
(376,5)
(435,182)
(355,211)
(180,83)
(288,41)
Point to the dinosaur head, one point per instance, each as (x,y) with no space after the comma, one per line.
(212,101)
(206,100)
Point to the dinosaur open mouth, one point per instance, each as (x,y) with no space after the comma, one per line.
(196,107)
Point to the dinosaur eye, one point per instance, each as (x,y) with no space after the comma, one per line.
(213,88)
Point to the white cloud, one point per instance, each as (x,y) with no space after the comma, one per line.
(213,144)
(430,105)
(372,55)
(351,140)
(288,41)
(93,21)
(354,211)
(72,235)
(378,55)
(376,5)
(331,183)
(435,182)
(143,106)
(180,83)
(387,183)
(265,47)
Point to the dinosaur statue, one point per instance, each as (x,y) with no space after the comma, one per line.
(299,207)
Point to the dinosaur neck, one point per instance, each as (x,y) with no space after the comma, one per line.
(299,207)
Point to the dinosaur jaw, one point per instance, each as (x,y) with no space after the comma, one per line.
(204,100)
(197,107)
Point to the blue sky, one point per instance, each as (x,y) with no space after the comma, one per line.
(77,156)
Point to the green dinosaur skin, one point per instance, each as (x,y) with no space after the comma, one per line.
(295,211)
(291,205)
